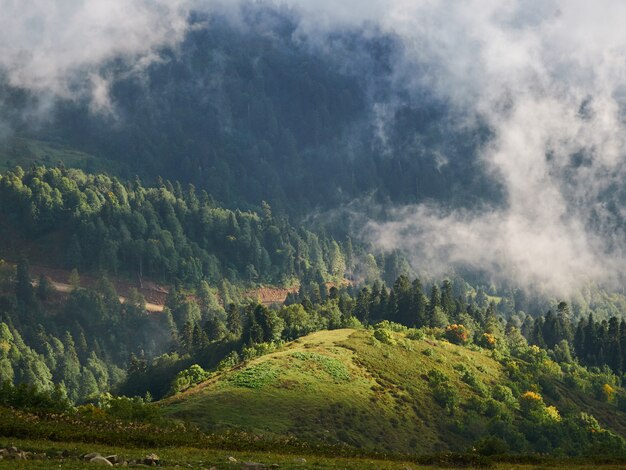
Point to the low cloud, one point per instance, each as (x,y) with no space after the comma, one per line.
(545,77)
(58,47)
(547,80)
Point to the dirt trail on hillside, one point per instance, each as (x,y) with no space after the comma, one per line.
(67,288)
(154,294)
(271,295)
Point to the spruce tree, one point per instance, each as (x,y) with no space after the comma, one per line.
(233,320)
(614,351)
(419,304)
(447,299)
(23,283)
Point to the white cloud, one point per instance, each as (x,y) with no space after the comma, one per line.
(547,78)
(58,46)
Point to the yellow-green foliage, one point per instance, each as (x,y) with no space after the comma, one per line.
(334,367)
(409,395)
(344,386)
(254,377)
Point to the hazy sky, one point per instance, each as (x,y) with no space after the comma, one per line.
(546,76)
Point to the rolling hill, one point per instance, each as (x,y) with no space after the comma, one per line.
(399,394)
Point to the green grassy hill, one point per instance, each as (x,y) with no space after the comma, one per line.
(346,386)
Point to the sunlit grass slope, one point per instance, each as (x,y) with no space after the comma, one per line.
(342,386)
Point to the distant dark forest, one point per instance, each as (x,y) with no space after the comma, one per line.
(164,232)
(254,114)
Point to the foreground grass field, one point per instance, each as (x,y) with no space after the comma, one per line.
(196,458)
(172,457)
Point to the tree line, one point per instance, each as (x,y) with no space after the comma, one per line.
(163,232)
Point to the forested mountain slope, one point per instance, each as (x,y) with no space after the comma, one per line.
(95,222)
(249,113)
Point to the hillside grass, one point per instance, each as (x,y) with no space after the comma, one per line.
(333,399)
(341,386)
(173,457)
(190,457)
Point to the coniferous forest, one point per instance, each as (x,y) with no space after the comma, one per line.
(263,234)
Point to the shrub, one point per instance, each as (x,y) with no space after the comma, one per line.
(457,334)
(496,409)
(621,402)
(384,335)
(188,378)
(491,445)
(487,341)
(469,378)
(230,361)
(352,322)
(416,334)
(443,392)
(129,409)
(395,327)
(530,401)
(535,355)
(260,349)
(503,394)
(28,397)
(446,396)
(533,407)
(435,377)
(552,414)
(607,393)
(477,404)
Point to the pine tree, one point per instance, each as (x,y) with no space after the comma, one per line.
(69,367)
(537,335)
(565,322)
(447,299)
(579,341)
(23,283)
(591,341)
(435,302)
(614,356)
(74,253)
(253,332)
(233,320)
(383,303)
(552,333)
(622,342)
(200,338)
(186,336)
(404,299)
(392,307)
(44,288)
(362,306)
(418,303)
(438,318)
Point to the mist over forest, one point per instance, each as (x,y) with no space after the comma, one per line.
(485,140)
(189,186)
